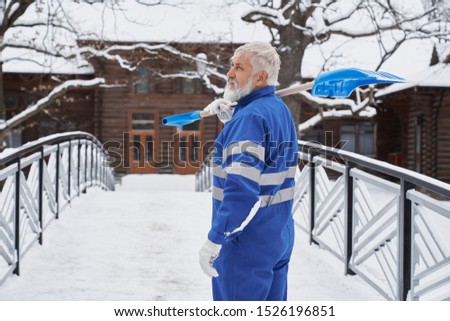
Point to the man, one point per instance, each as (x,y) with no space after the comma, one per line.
(252,234)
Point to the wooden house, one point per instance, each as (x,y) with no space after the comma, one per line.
(411,128)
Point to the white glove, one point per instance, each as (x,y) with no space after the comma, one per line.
(207,255)
(223,108)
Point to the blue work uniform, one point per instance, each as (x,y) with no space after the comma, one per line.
(255,159)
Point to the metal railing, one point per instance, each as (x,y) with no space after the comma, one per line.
(386,224)
(37,181)
(203,178)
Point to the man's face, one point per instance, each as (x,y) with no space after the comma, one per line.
(240,79)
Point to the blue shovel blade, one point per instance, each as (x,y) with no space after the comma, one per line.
(342,82)
(181,119)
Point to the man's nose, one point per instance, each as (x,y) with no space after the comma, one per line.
(230,73)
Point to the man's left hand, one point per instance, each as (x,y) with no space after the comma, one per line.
(207,255)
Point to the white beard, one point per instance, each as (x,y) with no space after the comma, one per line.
(237,93)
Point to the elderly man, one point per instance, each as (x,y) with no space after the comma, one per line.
(251,238)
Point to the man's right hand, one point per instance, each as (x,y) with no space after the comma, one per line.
(222,107)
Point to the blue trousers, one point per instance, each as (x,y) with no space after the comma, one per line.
(254,265)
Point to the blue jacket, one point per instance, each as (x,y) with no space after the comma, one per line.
(255,160)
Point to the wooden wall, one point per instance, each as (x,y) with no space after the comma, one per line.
(114,104)
(425,110)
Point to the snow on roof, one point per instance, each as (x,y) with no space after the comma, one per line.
(437,75)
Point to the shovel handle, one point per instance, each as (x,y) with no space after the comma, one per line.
(204,113)
(294,89)
(280,93)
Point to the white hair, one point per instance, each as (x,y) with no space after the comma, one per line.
(262,57)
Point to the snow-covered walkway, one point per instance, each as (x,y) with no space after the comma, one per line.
(141,242)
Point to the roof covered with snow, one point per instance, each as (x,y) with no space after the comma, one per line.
(435,75)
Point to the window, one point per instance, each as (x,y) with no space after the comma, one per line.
(195,126)
(47,127)
(187,142)
(142,81)
(13,139)
(188,148)
(187,86)
(358,138)
(315,134)
(142,121)
(11,101)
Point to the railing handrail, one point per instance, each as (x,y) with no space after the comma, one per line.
(34,146)
(411,176)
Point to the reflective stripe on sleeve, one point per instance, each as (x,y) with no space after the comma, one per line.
(217,193)
(254,174)
(281,196)
(277,178)
(244,170)
(244,146)
(219,172)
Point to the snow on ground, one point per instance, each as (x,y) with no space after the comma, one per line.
(141,242)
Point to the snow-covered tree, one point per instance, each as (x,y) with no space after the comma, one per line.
(47,33)
(296,25)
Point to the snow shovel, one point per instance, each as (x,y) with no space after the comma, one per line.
(338,83)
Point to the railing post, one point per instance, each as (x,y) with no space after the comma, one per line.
(92,162)
(85,165)
(203,179)
(312,189)
(404,241)
(102,164)
(348,223)
(41,192)
(58,155)
(79,166)
(69,181)
(17,218)
(100,168)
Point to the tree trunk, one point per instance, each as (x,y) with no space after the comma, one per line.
(291,56)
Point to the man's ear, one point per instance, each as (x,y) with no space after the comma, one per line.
(262,78)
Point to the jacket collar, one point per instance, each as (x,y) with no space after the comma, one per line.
(265,91)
